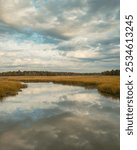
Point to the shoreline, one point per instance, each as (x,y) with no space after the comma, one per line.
(10,88)
(106,85)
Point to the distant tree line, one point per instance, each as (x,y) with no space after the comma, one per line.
(42,73)
(47,73)
(112,72)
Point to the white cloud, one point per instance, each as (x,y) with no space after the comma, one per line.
(60,34)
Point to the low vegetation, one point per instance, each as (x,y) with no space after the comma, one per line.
(9,88)
(47,73)
(108,85)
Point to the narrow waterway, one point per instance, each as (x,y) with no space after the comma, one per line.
(47,116)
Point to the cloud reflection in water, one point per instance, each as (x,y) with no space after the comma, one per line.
(48,116)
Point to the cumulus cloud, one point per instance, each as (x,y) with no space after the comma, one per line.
(80,35)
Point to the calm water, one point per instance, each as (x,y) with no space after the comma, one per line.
(48,116)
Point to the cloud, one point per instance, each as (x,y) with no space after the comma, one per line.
(60,34)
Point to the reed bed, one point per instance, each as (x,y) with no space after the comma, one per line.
(10,88)
(108,85)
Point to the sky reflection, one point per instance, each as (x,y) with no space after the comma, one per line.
(57,117)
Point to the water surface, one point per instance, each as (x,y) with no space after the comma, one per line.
(47,116)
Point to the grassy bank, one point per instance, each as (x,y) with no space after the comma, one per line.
(9,88)
(108,85)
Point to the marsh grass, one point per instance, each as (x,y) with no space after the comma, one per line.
(9,88)
(108,85)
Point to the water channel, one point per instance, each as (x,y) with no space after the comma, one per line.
(47,116)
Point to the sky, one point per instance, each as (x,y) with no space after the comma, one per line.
(59,35)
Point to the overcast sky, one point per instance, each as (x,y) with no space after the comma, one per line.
(59,35)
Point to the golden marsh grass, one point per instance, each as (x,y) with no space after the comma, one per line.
(9,88)
(109,85)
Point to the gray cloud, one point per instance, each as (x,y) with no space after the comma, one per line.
(76,32)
